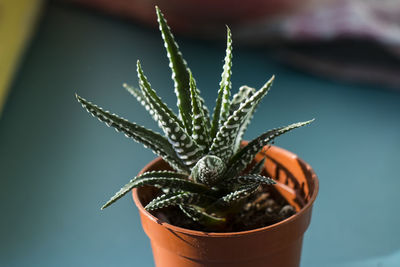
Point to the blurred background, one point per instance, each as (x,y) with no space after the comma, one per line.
(335,60)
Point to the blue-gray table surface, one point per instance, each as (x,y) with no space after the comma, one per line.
(58,165)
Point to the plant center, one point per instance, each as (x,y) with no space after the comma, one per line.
(208,170)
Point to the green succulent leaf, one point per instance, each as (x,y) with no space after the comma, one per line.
(152,101)
(254,178)
(142,100)
(187,150)
(164,179)
(258,167)
(235,196)
(224,142)
(148,138)
(245,92)
(179,198)
(205,111)
(200,132)
(221,111)
(246,154)
(199,215)
(180,71)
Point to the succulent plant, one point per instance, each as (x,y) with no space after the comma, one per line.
(208,163)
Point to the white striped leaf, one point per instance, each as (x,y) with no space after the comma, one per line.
(254,178)
(221,110)
(245,92)
(180,71)
(142,100)
(200,132)
(240,97)
(258,167)
(187,150)
(199,215)
(246,154)
(164,179)
(152,101)
(174,199)
(224,142)
(156,142)
(235,196)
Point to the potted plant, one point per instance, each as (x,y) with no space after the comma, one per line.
(211,199)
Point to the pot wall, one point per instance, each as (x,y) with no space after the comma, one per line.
(272,246)
(167,258)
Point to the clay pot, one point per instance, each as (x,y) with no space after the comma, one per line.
(277,245)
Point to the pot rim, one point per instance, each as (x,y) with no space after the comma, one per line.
(231,234)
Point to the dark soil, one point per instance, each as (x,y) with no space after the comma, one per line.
(264,208)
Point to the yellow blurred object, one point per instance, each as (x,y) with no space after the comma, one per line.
(17,20)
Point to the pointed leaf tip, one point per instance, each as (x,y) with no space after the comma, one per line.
(271,79)
(160,15)
(180,72)
(106,205)
(304,123)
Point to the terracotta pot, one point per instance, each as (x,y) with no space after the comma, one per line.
(277,245)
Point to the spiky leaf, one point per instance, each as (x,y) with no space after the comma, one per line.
(156,142)
(223,143)
(199,215)
(221,111)
(247,179)
(142,100)
(152,101)
(179,198)
(258,167)
(246,154)
(235,196)
(187,150)
(180,71)
(254,178)
(245,92)
(200,132)
(164,179)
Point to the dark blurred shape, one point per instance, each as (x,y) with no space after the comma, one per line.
(356,40)
(201,18)
(352,60)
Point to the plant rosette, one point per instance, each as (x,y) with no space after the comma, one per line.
(207,177)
